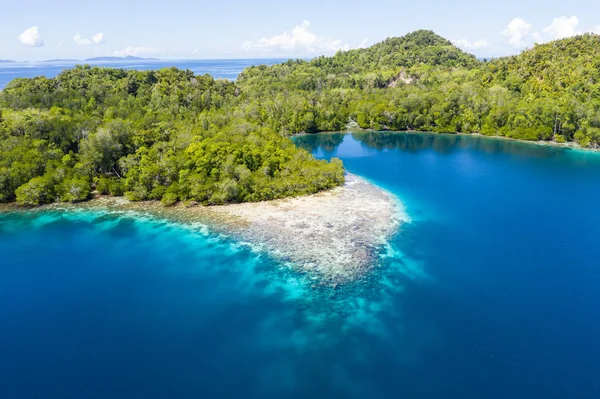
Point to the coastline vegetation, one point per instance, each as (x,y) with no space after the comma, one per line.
(149,135)
(422,82)
(171,136)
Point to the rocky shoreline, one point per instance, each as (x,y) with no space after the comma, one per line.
(335,235)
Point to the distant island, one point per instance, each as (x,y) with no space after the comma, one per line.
(171,136)
(61,60)
(94,59)
(6,61)
(128,58)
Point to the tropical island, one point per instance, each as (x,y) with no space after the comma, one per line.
(173,137)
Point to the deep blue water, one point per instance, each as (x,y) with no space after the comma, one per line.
(491,291)
(219,69)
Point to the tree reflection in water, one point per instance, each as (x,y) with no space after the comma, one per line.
(416,142)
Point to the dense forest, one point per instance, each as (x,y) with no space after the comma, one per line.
(171,136)
(422,82)
(162,135)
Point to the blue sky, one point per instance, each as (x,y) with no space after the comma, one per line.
(42,29)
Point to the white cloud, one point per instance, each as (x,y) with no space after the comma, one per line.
(299,40)
(516,31)
(562,27)
(81,40)
(31,37)
(137,51)
(98,38)
(596,29)
(471,45)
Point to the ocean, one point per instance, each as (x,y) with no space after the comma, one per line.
(219,69)
(491,290)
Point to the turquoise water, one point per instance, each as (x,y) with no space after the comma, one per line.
(490,291)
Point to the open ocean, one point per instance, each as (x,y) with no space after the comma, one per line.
(219,69)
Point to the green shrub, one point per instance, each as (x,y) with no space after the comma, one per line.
(582,139)
(169,199)
(75,189)
(102,185)
(36,191)
(116,187)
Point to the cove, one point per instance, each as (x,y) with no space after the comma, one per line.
(489,291)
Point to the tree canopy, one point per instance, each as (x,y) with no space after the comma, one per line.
(422,82)
(163,135)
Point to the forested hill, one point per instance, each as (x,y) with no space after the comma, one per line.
(422,82)
(173,136)
(375,66)
(569,66)
(420,47)
(553,92)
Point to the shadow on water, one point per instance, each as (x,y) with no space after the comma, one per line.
(326,142)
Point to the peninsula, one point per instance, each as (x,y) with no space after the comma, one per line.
(334,236)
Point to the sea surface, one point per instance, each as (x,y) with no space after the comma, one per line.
(492,290)
(219,69)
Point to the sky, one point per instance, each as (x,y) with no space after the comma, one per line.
(32,30)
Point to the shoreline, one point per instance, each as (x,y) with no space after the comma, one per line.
(335,236)
(569,145)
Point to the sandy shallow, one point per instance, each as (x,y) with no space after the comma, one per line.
(335,235)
